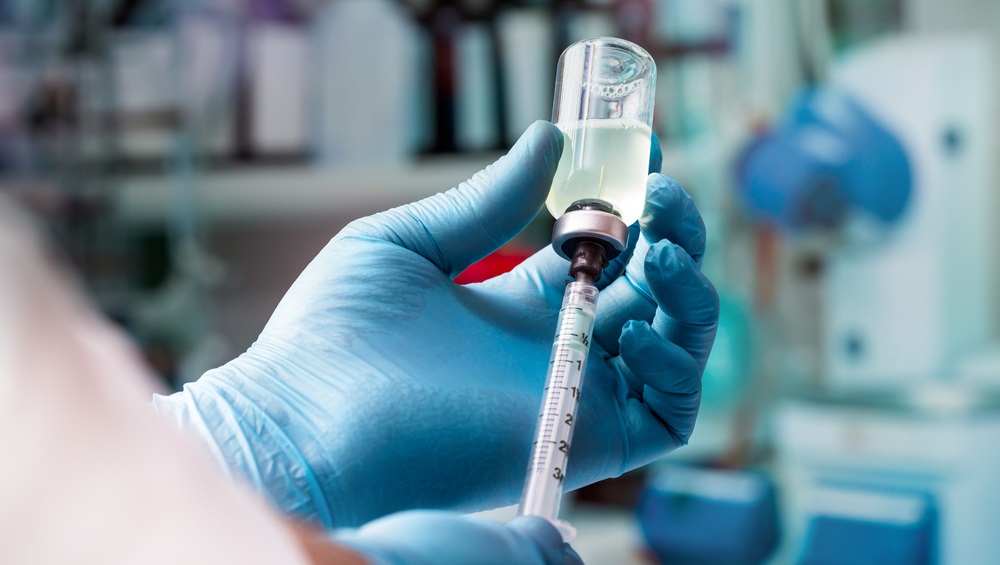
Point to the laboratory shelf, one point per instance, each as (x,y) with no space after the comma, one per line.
(265,193)
(242,194)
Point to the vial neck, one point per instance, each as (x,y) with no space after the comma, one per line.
(588,262)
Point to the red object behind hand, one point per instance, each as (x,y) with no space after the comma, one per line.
(497,263)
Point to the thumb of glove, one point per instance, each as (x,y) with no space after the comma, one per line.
(456,228)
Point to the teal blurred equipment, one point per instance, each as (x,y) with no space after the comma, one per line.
(917,470)
(728,369)
(870,527)
(727,386)
(709,517)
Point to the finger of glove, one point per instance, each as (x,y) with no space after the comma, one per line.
(442,537)
(546,536)
(456,228)
(654,361)
(655,154)
(664,376)
(688,305)
(670,214)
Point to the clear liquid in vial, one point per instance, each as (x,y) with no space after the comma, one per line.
(603,159)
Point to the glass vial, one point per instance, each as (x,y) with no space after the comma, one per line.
(604,107)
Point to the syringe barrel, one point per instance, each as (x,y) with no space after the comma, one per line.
(563,387)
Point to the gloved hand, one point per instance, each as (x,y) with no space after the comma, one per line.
(380,385)
(442,538)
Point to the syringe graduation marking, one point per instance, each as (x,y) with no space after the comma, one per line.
(550,450)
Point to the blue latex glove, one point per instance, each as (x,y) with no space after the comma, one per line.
(379,385)
(441,538)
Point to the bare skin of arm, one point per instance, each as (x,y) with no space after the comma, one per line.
(320,550)
(90,473)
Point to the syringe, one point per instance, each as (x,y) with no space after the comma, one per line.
(593,234)
(604,107)
(550,452)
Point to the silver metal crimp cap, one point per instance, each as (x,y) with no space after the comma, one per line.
(590,220)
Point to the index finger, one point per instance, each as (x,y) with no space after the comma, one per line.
(670,214)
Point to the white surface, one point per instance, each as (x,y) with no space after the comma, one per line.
(143,73)
(879,507)
(952,459)
(527,40)
(278,96)
(607,536)
(723,485)
(982,367)
(364,62)
(284,193)
(922,297)
(476,106)
(281,193)
(604,535)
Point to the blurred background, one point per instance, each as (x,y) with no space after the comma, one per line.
(191,156)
